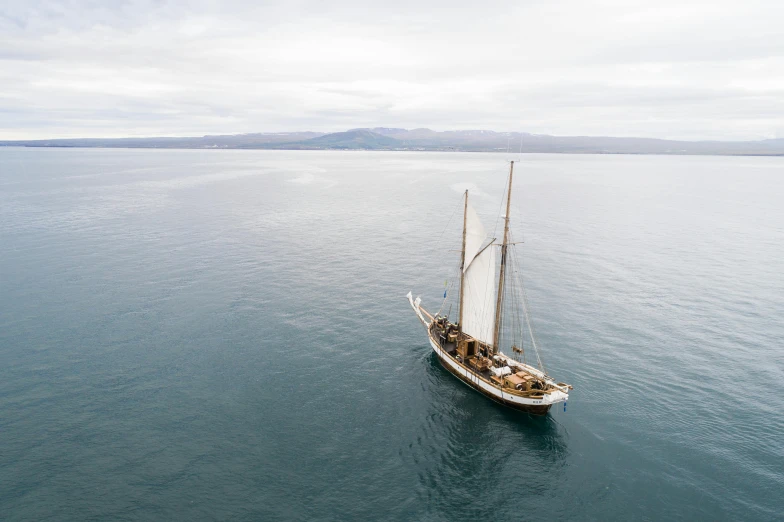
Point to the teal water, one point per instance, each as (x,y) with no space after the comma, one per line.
(223,335)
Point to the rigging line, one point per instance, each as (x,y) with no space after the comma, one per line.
(522,299)
(521,324)
(518,326)
(508,323)
(448,293)
(441,235)
(526,315)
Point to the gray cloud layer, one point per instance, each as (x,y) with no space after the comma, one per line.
(670,69)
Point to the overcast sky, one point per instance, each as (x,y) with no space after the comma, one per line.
(670,69)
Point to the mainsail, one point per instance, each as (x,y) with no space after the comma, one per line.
(479,294)
(475,236)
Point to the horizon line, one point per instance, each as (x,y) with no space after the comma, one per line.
(371,129)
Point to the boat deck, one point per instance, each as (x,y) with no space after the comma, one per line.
(450,347)
(480,364)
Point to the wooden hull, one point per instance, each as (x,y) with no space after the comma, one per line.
(533,405)
(533,409)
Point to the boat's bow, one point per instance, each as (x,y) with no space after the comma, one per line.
(418,309)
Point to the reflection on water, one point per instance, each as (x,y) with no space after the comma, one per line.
(480,447)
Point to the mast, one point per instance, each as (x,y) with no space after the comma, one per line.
(462,266)
(504,245)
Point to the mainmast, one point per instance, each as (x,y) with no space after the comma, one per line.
(462,266)
(504,245)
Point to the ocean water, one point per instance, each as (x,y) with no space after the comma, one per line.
(223,335)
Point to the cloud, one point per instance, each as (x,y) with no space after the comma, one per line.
(661,69)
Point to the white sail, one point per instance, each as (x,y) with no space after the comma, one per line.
(475,236)
(479,296)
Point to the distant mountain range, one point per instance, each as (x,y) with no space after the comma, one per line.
(382,138)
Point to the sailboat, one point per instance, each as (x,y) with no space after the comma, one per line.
(487,347)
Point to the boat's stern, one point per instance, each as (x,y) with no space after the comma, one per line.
(555,397)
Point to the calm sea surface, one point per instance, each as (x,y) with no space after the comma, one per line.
(223,335)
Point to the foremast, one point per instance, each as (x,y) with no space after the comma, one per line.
(462,267)
(501,274)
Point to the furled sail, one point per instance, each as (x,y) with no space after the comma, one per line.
(475,236)
(479,296)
